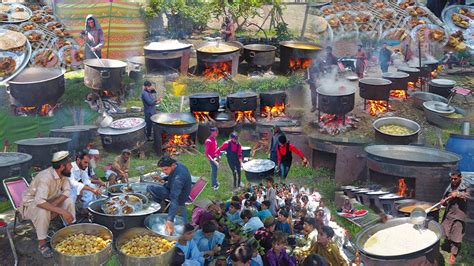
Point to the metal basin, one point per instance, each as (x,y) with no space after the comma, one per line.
(396,139)
(156,224)
(420,97)
(443,120)
(204,102)
(259,54)
(258,169)
(106,74)
(411,154)
(98,258)
(165,119)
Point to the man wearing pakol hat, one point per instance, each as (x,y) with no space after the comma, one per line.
(176,189)
(234,156)
(47,197)
(119,169)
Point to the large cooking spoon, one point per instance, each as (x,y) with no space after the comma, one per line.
(98,58)
(418,214)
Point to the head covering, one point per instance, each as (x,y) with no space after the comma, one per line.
(96,23)
(269,221)
(93,152)
(126,151)
(234,135)
(213,129)
(282,139)
(59,156)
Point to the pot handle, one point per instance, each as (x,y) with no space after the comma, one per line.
(105,74)
(107,140)
(7,89)
(119,224)
(194,101)
(252,54)
(212,100)
(15,171)
(244,101)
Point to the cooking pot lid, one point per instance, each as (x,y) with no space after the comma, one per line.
(408,69)
(114,132)
(439,107)
(272,93)
(378,192)
(204,95)
(242,94)
(126,123)
(395,75)
(258,166)
(69,130)
(37,74)
(408,153)
(375,81)
(42,141)
(12,158)
(88,127)
(167,45)
(443,82)
(335,91)
(106,63)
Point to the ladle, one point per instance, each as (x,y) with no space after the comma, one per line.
(98,58)
(418,214)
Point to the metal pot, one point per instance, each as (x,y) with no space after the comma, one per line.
(375,88)
(14,164)
(91,128)
(296,50)
(164,120)
(413,72)
(98,258)
(338,101)
(242,101)
(204,102)
(79,137)
(156,221)
(396,139)
(441,87)
(399,80)
(404,259)
(42,149)
(119,223)
(115,140)
(107,75)
(258,169)
(420,97)
(36,86)
(223,117)
(259,54)
(125,260)
(272,98)
(443,120)
(203,54)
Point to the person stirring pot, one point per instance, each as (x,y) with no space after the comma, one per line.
(94,37)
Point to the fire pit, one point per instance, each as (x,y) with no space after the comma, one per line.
(243,104)
(426,168)
(386,130)
(273,103)
(441,87)
(217,60)
(204,105)
(296,55)
(174,133)
(167,55)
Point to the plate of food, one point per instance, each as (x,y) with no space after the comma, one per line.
(430,33)
(341,7)
(126,123)
(37,17)
(71,55)
(328,10)
(386,13)
(346,17)
(363,17)
(417,11)
(456,41)
(14,13)
(35,7)
(48,18)
(15,52)
(34,36)
(45,57)
(12,27)
(61,32)
(404,4)
(333,21)
(48,10)
(397,34)
(458,17)
(412,22)
(29,25)
(357,213)
(53,25)
(379,5)
(461,21)
(59,42)
(361,6)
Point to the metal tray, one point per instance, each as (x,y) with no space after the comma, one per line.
(24,60)
(414,34)
(12,10)
(446,16)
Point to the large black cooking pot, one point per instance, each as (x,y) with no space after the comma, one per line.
(42,149)
(234,47)
(79,138)
(119,223)
(91,128)
(272,98)
(399,80)
(375,88)
(106,74)
(383,137)
(441,87)
(242,101)
(259,54)
(258,169)
(296,49)
(36,86)
(204,102)
(332,100)
(115,140)
(14,164)
(413,72)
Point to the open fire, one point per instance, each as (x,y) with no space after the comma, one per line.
(376,107)
(334,124)
(241,116)
(203,117)
(300,63)
(404,190)
(277,110)
(399,94)
(45,109)
(175,144)
(216,71)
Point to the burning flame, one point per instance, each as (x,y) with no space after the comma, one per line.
(434,73)
(376,107)
(300,63)
(400,94)
(31,110)
(202,116)
(172,143)
(216,71)
(402,187)
(274,111)
(411,85)
(240,116)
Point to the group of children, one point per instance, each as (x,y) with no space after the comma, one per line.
(258,227)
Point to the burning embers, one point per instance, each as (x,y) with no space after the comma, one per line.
(278,110)
(175,144)
(398,94)
(217,70)
(203,117)
(45,109)
(334,124)
(300,63)
(242,116)
(404,190)
(377,107)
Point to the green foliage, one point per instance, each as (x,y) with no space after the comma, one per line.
(198,84)
(75,91)
(282,32)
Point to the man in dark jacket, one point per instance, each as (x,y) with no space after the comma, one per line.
(274,144)
(384,58)
(176,189)
(234,156)
(149,105)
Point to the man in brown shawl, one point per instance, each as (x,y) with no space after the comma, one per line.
(94,38)
(455,200)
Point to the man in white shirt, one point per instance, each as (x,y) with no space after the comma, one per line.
(80,180)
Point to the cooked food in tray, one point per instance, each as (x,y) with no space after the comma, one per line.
(45,58)
(333,20)
(35,7)
(61,42)
(328,10)
(417,11)
(37,17)
(346,17)
(359,7)
(22,15)
(387,13)
(82,244)
(48,10)
(379,5)
(54,25)
(434,34)
(456,41)
(3,17)
(71,55)
(127,209)
(466,12)
(48,18)
(34,35)
(146,246)
(7,65)
(12,40)
(397,34)
(362,17)
(28,26)
(460,20)
(61,32)
(341,7)
(406,3)
(414,21)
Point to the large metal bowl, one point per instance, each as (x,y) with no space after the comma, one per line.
(363,236)
(396,139)
(167,118)
(98,258)
(420,97)
(443,120)
(411,154)
(155,221)
(125,260)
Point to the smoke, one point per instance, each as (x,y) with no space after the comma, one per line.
(332,82)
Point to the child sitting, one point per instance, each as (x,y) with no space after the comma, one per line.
(252,223)
(264,235)
(208,240)
(282,223)
(264,213)
(277,254)
(241,255)
(256,258)
(233,215)
(327,248)
(192,255)
(311,235)
(271,195)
